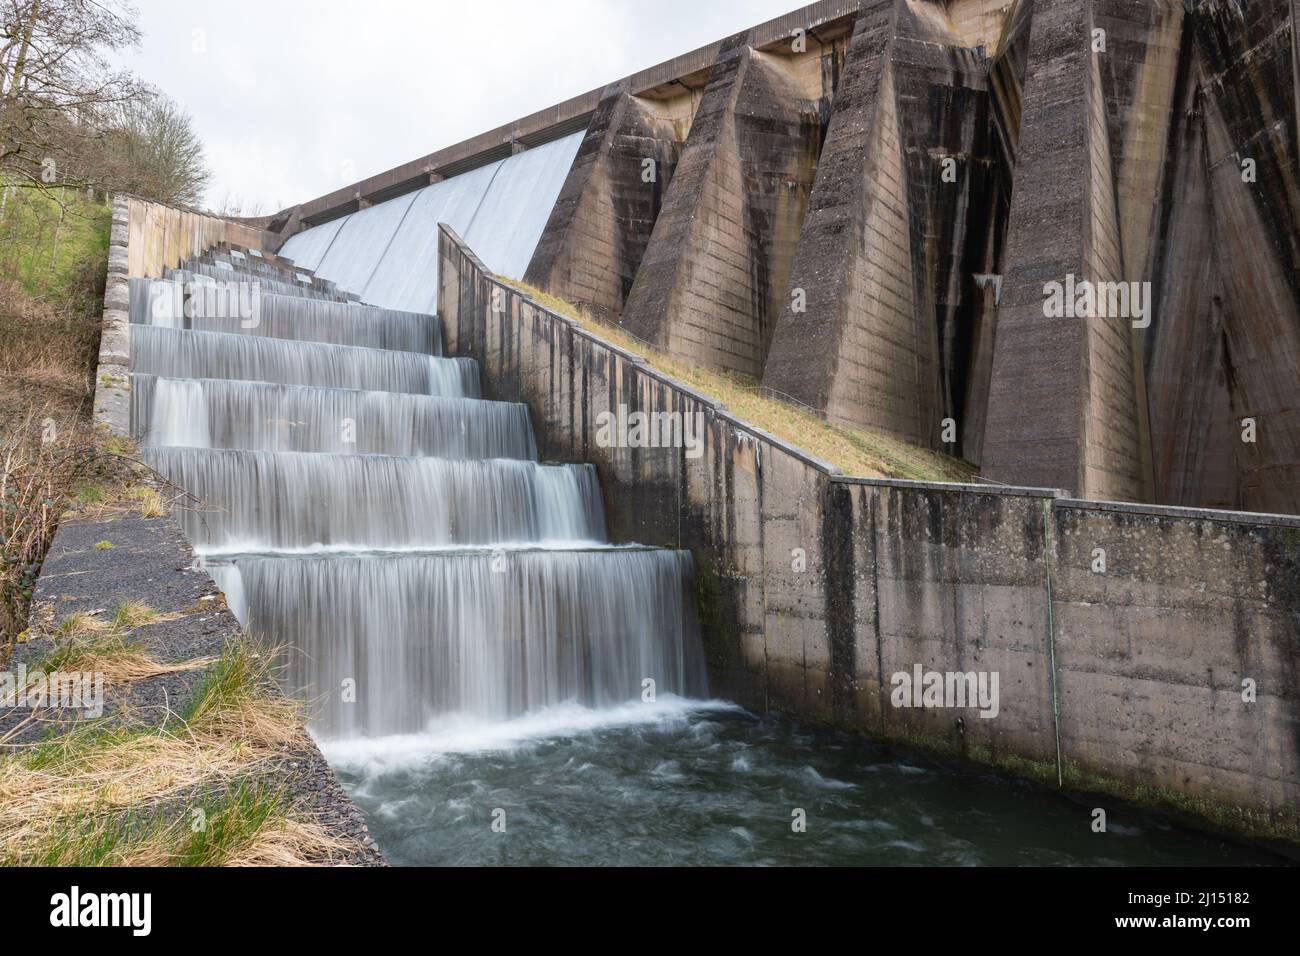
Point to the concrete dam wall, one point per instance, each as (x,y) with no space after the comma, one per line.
(862,206)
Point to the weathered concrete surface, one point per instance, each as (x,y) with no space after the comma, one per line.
(112,406)
(1074,376)
(853,250)
(1225,341)
(1163,120)
(814,589)
(952,579)
(712,278)
(897,262)
(164,236)
(1154,655)
(598,231)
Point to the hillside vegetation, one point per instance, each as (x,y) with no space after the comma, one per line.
(53,257)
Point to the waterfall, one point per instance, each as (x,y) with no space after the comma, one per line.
(238,308)
(512,631)
(275,501)
(217,413)
(178,353)
(362,506)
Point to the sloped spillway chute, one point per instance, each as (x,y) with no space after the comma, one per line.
(388,253)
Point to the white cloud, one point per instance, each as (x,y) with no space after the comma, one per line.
(294,98)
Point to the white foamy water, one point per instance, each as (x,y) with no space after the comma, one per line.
(468,734)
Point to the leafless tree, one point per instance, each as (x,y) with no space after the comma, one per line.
(58,90)
(151,149)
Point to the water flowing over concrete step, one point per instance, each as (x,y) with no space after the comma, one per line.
(240,308)
(201,272)
(284,270)
(359,503)
(483,633)
(177,353)
(260,416)
(266,501)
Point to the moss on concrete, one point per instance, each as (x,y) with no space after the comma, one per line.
(721,649)
(1195,812)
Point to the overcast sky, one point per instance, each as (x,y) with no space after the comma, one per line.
(294,98)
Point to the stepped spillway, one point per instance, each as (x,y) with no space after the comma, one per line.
(360,504)
(489,634)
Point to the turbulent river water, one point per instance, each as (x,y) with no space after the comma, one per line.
(684,782)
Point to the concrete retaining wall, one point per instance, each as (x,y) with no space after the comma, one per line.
(815,589)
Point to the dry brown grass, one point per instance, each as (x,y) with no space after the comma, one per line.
(118,659)
(856,451)
(291,842)
(238,700)
(98,794)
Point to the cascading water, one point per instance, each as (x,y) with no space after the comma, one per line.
(216,413)
(277,501)
(178,353)
(356,500)
(492,635)
(235,307)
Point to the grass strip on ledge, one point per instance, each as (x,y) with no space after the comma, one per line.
(855,451)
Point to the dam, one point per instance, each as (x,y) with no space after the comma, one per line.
(458,621)
(391,464)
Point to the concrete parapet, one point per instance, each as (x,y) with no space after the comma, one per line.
(144,239)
